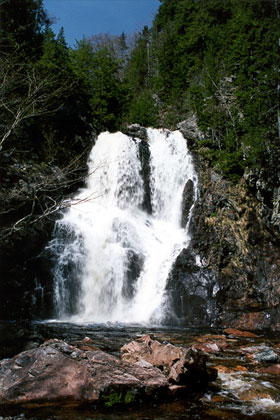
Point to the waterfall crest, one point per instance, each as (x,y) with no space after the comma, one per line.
(112,256)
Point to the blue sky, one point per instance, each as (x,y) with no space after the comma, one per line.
(89,17)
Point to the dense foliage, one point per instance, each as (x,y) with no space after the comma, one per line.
(217,59)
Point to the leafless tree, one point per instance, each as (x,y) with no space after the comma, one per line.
(24,94)
(45,195)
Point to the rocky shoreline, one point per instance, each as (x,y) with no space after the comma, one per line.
(57,373)
(147,370)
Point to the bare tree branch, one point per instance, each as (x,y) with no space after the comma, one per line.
(25,94)
(50,205)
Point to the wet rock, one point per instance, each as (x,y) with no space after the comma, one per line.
(191,292)
(207,347)
(219,337)
(270,370)
(235,247)
(180,365)
(16,337)
(144,155)
(250,349)
(134,266)
(255,393)
(239,333)
(87,344)
(239,368)
(211,343)
(266,355)
(223,369)
(188,201)
(260,353)
(136,130)
(60,374)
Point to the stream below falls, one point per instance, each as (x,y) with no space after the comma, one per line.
(243,390)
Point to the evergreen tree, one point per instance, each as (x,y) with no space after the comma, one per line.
(23,22)
(220,60)
(99,70)
(138,68)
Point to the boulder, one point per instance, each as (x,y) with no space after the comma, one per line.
(57,374)
(181,366)
(136,130)
(60,374)
(208,347)
(260,353)
(190,130)
(270,370)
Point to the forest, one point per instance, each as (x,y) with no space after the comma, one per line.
(217,60)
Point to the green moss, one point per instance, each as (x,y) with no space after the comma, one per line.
(129,397)
(114,398)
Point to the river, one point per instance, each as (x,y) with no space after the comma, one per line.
(236,395)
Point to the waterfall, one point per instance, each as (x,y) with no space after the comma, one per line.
(113,256)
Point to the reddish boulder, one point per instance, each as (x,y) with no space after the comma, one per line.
(57,373)
(270,370)
(223,369)
(180,365)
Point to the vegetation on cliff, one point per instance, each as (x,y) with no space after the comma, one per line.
(218,59)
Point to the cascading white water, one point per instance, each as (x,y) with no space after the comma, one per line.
(121,255)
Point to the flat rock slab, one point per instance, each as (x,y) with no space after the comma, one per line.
(57,373)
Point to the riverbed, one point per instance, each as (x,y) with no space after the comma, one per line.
(248,384)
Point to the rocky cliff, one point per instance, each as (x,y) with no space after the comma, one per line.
(230,274)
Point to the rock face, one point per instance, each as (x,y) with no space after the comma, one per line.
(188,201)
(265,185)
(191,292)
(57,373)
(144,154)
(233,241)
(230,274)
